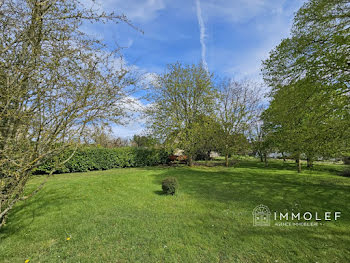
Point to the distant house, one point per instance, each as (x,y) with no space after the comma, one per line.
(178,152)
(214,154)
(275,155)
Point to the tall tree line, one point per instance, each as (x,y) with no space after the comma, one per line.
(192,112)
(309,76)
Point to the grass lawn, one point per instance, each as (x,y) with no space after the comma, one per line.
(121,216)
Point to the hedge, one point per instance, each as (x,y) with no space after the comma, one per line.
(97,158)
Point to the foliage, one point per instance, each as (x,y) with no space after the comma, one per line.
(170,185)
(144,141)
(318,47)
(98,158)
(101,135)
(237,110)
(208,133)
(346,173)
(304,121)
(55,80)
(346,160)
(346,157)
(309,112)
(181,97)
(262,141)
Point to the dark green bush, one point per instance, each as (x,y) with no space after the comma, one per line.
(98,158)
(169,185)
(346,173)
(346,160)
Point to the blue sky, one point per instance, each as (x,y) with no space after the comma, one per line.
(238,35)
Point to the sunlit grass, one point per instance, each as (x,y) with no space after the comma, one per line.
(121,216)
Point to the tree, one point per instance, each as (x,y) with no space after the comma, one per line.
(260,138)
(309,77)
(180,98)
(208,131)
(54,82)
(101,135)
(237,110)
(144,141)
(304,121)
(318,47)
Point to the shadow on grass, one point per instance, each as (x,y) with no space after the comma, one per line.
(247,185)
(26,212)
(239,190)
(276,164)
(251,186)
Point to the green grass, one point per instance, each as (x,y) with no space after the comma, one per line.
(121,216)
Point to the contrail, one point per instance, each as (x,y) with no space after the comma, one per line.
(202,33)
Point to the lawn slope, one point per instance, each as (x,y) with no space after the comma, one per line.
(121,216)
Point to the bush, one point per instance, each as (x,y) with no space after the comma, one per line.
(98,158)
(346,173)
(346,160)
(169,185)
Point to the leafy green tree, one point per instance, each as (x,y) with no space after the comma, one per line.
(102,135)
(304,121)
(180,98)
(99,135)
(144,141)
(208,137)
(260,138)
(54,82)
(318,47)
(309,77)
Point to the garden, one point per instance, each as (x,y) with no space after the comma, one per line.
(164,160)
(122,215)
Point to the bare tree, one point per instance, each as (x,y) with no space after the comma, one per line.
(237,110)
(54,81)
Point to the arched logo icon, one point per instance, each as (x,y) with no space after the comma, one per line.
(261,216)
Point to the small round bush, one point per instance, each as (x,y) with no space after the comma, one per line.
(169,185)
(346,173)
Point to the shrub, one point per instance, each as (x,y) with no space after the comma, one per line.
(98,158)
(169,185)
(346,160)
(346,173)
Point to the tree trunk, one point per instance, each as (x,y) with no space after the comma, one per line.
(226,159)
(190,160)
(265,159)
(261,157)
(298,161)
(309,163)
(284,157)
(208,155)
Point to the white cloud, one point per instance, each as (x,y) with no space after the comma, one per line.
(273,24)
(135,10)
(133,105)
(136,123)
(248,64)
(148,79)
(241,10)
(128,131)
